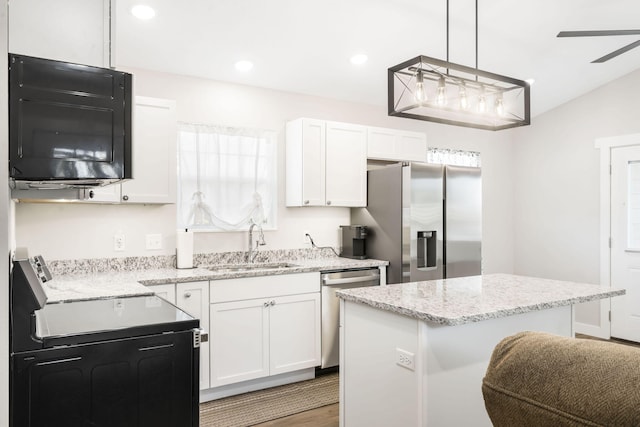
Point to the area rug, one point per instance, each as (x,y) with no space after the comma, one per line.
(266,405)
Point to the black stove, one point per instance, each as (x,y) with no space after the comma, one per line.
(130,361)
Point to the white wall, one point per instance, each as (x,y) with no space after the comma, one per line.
(557,202)
(62,231)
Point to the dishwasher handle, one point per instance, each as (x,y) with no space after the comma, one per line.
(358,279)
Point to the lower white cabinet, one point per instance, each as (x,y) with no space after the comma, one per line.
(192,297)
(274,333)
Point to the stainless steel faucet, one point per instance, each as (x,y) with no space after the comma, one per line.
(259,242)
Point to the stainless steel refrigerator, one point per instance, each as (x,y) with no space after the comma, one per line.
(425,219)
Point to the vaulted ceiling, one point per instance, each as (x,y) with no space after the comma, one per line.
(305,46)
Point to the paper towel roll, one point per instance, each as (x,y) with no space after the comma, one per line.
(184,249)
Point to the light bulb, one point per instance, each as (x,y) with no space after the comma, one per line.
(482,102)
(420,95)
(464,101)
(442,93)
(499,106)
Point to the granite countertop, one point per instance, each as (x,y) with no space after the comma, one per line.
(472,299)
(68,287)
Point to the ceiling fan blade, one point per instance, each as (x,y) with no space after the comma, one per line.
(617,52)
(598,33)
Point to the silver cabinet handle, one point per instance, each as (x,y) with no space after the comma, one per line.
(273,302)
(328,202)
(187,295)
(266,304)
(125,197)
(306,202)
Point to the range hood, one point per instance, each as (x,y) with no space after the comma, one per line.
(69,124)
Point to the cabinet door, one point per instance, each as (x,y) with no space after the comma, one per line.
(238,341)
(396,145)
(313,163)
(294,333)
(154,152)
(167,292)
(193,297)
(346,163)
(381,144)
(66,30)
(412,146)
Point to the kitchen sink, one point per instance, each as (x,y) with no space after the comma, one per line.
(229,268)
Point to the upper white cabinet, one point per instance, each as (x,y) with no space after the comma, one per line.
(326,164)
(53,30)
(396,145)
(154,157)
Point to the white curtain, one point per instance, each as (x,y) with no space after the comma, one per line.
(445,156)
(226,177)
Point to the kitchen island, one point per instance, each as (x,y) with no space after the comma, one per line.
(414,354)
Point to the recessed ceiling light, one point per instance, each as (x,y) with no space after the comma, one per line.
(244,66)
(530,81)
(142,11)
(359,59)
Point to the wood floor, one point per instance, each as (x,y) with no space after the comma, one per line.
(326,416)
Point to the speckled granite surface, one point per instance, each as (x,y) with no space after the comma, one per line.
(120,279)
(110,265)
(472,299)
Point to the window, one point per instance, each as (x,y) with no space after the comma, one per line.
(226,178)
(445,156)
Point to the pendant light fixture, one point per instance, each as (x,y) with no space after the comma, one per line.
(431,89)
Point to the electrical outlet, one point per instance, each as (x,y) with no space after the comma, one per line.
(405,359)
(305,238)
(154,241)
(118,242)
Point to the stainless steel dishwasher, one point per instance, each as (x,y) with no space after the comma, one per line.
(333,281)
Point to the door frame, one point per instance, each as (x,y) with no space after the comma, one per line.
(605,145)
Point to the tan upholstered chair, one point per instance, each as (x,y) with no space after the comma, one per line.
(538,379)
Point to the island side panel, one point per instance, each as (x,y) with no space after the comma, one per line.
(375,391)
(450,361)
(456,359)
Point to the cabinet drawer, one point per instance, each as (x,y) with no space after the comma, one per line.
(263,286)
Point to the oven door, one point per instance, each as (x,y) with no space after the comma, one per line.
(136,382)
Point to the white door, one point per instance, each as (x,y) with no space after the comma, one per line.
(193,297)
(294,332)
(625,241)
(238,341)
(313,162)
(346,162)
(154,152)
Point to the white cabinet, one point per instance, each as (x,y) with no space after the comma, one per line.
(326,164)
(263,326)
(66,30)
(153,157)
(167,292)
(396,145)
(192,297)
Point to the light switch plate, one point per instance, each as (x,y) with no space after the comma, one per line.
(154,241)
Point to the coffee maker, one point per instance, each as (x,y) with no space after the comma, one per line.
(354,241)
